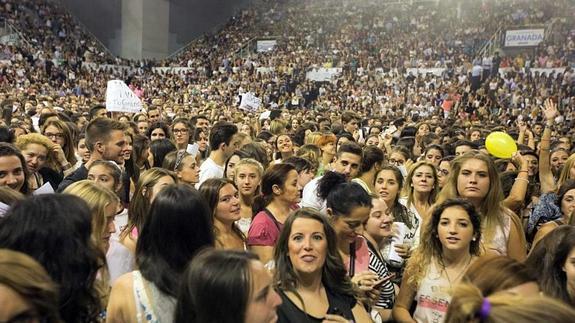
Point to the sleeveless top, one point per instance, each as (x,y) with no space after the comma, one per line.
(498,243)
(159,308)
(288,312)
(433,296)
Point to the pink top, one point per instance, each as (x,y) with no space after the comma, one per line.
(264,230)
(361,256)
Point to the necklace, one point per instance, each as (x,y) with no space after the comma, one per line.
(456,277)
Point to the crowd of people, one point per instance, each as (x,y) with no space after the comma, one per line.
(369,197)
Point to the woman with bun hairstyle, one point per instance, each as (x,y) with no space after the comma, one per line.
(348,208)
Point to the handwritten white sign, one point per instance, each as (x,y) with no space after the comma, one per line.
(250,102)
(119,97)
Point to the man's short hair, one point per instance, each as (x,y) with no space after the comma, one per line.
(351,148)
(222,132)
(100,129)
(348,116)
(94,110)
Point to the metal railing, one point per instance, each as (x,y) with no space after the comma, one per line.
(11,29)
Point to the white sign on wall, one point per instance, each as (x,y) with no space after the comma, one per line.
(265,45)
(120,98)
(524,37)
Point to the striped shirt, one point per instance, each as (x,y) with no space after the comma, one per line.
(377,265)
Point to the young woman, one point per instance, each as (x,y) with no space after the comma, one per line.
(377,229)
(475,178)
(553,259)
(184,165)
(226,287)
(284,147)
(38,153)
(305,170)
(178,226)
(443,170)
(433,154)
(55,230)
(280,194)
(159,149)
(561,210)
(150,184)
(231,162)
(157,131)
(181,132)
(223,199)
(450,242)
(201,138)
(327,145)
(348,207)
(420,190)
(248,177)
(61,135)
(311,276)
(103,204)
(13,170)
(388,185)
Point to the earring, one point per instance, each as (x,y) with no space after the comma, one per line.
(473,239)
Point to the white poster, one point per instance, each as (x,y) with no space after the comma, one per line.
(250,102)
(119,97)
(265,45)
(323,74)
(524,37)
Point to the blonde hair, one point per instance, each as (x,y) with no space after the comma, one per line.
(98,198)
(491,207)
(468,305)
(278,127)
(313,138)
(566,171)
(408,189)
(35,138)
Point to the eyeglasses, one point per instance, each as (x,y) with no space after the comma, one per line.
(443,172)
(54,135)
(182,131)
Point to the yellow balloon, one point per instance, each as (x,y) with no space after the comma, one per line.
(500,145)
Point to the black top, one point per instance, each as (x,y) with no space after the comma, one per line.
(288,312)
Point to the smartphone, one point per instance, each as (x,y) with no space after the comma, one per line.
(383,280)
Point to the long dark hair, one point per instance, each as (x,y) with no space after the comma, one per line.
(275,175)
(548,259)
(399,211)
(334,274)
(216,287)
(55,230)
(7,150)
(178,225)
(210,190)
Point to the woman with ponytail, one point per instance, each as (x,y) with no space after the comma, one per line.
(348,207)
(279,195)
(468,305)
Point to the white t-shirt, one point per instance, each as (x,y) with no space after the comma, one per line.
(209,169)
(310,198)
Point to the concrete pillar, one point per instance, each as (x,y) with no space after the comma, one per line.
(145,28)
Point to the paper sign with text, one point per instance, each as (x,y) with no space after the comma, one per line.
(250,102)
(120,98)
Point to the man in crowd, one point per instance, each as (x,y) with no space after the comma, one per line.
(223,142)
(347,161)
